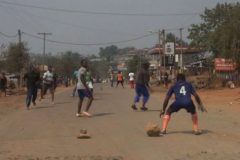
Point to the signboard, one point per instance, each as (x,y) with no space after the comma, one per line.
(169,60)
(169,48)
(176,58)
(222,64)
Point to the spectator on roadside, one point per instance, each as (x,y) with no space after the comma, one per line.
(112,78)
(165,79)
(131,79)
(3,84)
(119,79)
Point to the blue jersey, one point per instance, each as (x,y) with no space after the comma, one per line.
(183,91)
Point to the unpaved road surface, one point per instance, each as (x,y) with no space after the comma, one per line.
(48,132)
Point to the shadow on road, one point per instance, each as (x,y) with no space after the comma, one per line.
(102,114)
(43,107)
(149,110)
(63,102)
(189,132)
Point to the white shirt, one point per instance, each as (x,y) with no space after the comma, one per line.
(48,77)
(131,76)
(81,71)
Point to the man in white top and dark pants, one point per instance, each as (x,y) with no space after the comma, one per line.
(83,90)
(48,83)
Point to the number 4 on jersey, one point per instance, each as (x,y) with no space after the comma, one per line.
(183,90)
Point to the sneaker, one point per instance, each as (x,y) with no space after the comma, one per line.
(163,132)
(144,108)
(79,114)
(86,114)
(134,107)
(197,132)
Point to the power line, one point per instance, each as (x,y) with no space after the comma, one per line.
(52,20)
(88,44)
(8,36)
(96,13)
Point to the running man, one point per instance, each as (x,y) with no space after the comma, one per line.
(83,90)
(119,79)
(142,87)
(48,83)
(182,91)
(33,79)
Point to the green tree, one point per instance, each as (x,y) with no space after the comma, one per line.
(134,64)
(99,69)
(219,31)
(17,57)
(170,37)
(67,63)
(108,52)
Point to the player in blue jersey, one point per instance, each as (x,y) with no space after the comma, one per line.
(182,91)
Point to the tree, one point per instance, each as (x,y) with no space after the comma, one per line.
(125,50)
(67,62)
(134,64)
(99,69)
(108,52)
(17,57)
(219,31)
(170,37)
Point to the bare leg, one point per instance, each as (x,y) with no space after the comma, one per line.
(80,105)
(122,84)
(195,122)
(89,103)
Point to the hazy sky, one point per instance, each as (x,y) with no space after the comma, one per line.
(80,28)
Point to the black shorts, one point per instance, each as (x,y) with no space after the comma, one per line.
(176,106)
(48,87)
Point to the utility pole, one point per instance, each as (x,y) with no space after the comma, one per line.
(19,37)
(44,48)
(160,57)
(181,51)
(163,45)
(20,53)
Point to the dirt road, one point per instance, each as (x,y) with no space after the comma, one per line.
(49,131)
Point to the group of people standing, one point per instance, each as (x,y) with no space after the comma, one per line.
(120,79)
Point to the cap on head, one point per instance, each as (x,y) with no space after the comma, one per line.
(181,77)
